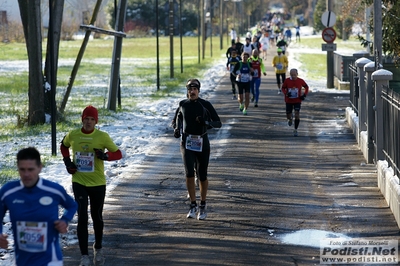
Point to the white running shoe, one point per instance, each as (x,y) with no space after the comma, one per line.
(98,259)
(85,261)
(192,212)
(279,91)
(202,213)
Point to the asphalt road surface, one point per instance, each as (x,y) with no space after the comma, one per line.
(265,186)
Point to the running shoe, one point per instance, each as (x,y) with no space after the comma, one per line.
(256,104)
(234,97)
(241,107)
(98,259)
(85,261)
(252,99)
(192,212)
(295,133)
(202,213)
(245,111)
(279,91)
(289,122)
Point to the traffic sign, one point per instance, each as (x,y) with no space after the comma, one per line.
(328,19)
(329,35)
(329,47)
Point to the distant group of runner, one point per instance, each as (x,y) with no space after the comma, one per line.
(245,62)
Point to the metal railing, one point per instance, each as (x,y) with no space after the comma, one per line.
(391,127)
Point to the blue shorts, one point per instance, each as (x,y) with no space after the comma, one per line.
(291,106)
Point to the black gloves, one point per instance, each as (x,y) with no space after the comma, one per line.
(201,121)
(177,133)
(289,94)
(71,167)
(302,97)
(101,155)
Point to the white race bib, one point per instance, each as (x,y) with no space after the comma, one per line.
(32,236)
(84,161)
(245,78)
(194,143)
(294,93)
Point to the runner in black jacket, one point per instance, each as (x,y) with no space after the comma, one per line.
(194,116)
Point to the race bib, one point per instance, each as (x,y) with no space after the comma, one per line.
(194,143)
(245,77)
(84,161)
(279,66)
(255,73)
(294,93)
(32,236)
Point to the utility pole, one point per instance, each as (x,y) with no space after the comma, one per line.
(116,59)
(52,80)
(329,54)
(220,24)
(171,38)
(378,31)
(203,27)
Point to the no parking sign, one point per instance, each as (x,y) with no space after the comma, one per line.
(329,35)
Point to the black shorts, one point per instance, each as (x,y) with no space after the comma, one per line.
(244,87)
(192,159)
(291,106)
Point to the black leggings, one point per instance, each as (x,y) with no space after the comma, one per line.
(96,195)
(278,78)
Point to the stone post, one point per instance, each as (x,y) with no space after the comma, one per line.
(370,122)
(381,78)
(362,107)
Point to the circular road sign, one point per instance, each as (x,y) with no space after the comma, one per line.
(328,19)
(329,35)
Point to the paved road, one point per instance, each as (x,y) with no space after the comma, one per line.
(264,185)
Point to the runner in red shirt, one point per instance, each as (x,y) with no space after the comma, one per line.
(295,90)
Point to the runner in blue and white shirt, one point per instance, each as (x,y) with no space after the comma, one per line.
(33,204)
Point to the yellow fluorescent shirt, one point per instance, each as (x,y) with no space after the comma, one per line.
(90,169)
(280,63)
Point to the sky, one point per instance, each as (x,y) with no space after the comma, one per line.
(138,140)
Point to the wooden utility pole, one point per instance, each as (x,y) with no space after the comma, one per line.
(171,38)
(53,82)
(203,28)
(378,31)
(157,48)
(221,46)
(329,54)
(116,60)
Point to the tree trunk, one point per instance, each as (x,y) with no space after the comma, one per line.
(57,11)
(31,20)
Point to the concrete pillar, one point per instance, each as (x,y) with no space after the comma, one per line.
(370,113)
(362,107)
(381,78)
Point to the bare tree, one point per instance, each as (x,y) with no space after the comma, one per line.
(31,17)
